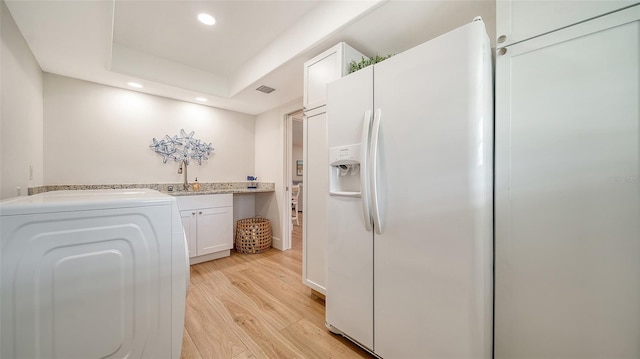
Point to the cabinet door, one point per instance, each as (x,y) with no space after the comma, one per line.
(567,208)
(519,20)
(319,71)
(316,182)
(215,230)
(188,218)
(323,69)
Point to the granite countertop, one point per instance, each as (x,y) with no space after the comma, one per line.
(174,189)
(217,191)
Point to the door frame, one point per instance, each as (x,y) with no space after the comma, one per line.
(287,227)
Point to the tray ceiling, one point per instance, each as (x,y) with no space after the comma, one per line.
(162,45)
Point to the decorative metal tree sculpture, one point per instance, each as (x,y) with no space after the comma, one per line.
(181,149)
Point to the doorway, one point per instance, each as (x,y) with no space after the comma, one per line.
(293,176)
(297,179)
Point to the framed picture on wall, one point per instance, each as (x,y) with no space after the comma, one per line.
(299,167)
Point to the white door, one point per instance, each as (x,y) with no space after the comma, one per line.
(567,198)
(350,244)
(432,261)
(316,185)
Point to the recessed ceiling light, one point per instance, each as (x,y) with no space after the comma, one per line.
(135,85)
(206,19)
(201,99)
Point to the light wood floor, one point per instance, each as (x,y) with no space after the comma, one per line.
(255,306)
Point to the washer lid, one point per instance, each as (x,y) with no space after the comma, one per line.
(81,200)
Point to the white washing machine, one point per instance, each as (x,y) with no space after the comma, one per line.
(92,274)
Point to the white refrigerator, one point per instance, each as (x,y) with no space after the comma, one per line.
(410,201)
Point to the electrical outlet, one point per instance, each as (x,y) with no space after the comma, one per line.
(31,172)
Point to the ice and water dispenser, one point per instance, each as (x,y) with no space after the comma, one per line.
(344,179)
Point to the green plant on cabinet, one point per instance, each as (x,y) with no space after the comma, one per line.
(355,66)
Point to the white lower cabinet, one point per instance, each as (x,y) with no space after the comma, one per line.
(208,225)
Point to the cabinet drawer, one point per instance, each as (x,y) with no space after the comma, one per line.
(205,201)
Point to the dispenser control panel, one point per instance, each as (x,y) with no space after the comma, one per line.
(344,155)
(344,172)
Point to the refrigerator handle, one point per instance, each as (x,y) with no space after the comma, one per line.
(364,158)
(373,167)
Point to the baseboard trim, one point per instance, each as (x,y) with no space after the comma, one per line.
(209,257)
(314,286)
(277,243)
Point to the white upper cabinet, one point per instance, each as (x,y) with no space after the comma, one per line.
(318,72)
(567,154)
(519,20)
(324,68)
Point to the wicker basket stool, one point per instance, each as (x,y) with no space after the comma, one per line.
(253,235)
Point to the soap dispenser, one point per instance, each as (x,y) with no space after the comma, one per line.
(196,185)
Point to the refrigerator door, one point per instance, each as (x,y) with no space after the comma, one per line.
(350,244)
(433,259)
(567,193)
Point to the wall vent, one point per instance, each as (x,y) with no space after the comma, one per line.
(265,89)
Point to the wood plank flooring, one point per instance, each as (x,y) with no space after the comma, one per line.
(255,306)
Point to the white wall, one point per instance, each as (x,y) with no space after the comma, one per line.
(97,134)
(21,111)
(270,147)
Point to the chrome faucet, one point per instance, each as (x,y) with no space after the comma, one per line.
(185,184)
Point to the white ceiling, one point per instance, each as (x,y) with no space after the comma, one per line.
(264,42)
(170,31)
